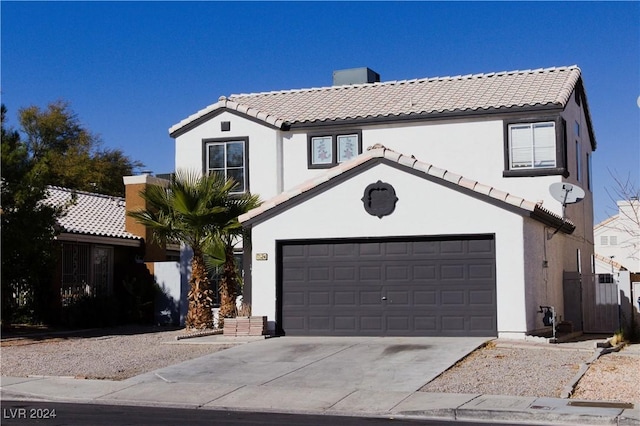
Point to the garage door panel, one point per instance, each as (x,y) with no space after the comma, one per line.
(452,322)
(319,298)
(481,297)
(295,298)
(370,297)
(319,273)
(477,322)
(452,297)
(370,273)
(371,323)
(481,272)
(292,252)
(425,298)
(397,248)
(345,323)
(424,272)
(432,288)
(345,298)
(426,248)
(294,274)
(320,251)
(297,322)
(345,250)
(398,298)
(481,247)
(428,325)
(398,323)
(452,247)
(370,249)
(344,273)
(452,272)
(397,272)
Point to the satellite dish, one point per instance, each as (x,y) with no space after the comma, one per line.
(566,193)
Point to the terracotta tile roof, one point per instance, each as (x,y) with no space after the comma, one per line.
(609,261)
(468,93)
(91,214)
(410,162)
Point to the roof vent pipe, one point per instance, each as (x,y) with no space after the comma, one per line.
(355,76)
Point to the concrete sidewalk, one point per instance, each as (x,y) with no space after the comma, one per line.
(357,377)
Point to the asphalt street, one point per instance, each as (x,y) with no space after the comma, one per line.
(58,414)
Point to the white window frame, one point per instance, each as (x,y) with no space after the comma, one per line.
(532,149)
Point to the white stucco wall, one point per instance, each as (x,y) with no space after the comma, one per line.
(474,149)
(424,208)
(262,148)
(626,230)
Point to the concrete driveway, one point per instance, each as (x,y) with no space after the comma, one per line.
(284,370)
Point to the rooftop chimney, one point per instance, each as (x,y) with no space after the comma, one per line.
(355,76)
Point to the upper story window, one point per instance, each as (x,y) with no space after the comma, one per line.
(329,149)
(228,157)
(535,148)
(578,162)
(532,145)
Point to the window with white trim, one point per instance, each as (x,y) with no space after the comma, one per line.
(535,147)
(331,149)
(229,158)
(613,240)
(604,240)
(532,145)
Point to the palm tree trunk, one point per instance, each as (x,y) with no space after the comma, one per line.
(228,286)
(200,297)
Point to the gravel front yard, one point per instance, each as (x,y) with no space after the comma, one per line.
(523,370)
(113,354)
(542,371)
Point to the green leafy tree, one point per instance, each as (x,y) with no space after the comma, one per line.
(201,212)
(69,155)
(28,230)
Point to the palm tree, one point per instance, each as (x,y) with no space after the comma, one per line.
(201,212)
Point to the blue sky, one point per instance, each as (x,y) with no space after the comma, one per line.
(131,70)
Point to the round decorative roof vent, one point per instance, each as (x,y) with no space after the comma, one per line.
(379,199)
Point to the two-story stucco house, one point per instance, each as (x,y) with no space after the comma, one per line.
(417,207)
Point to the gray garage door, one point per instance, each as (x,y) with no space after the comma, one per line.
(387,287)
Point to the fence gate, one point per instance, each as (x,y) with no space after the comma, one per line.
(572,293)
(600,304)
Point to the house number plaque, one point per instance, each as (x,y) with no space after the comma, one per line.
(262,256)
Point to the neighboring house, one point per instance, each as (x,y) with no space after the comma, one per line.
(445,226)
(97,252)
(618,238)
(617,257)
